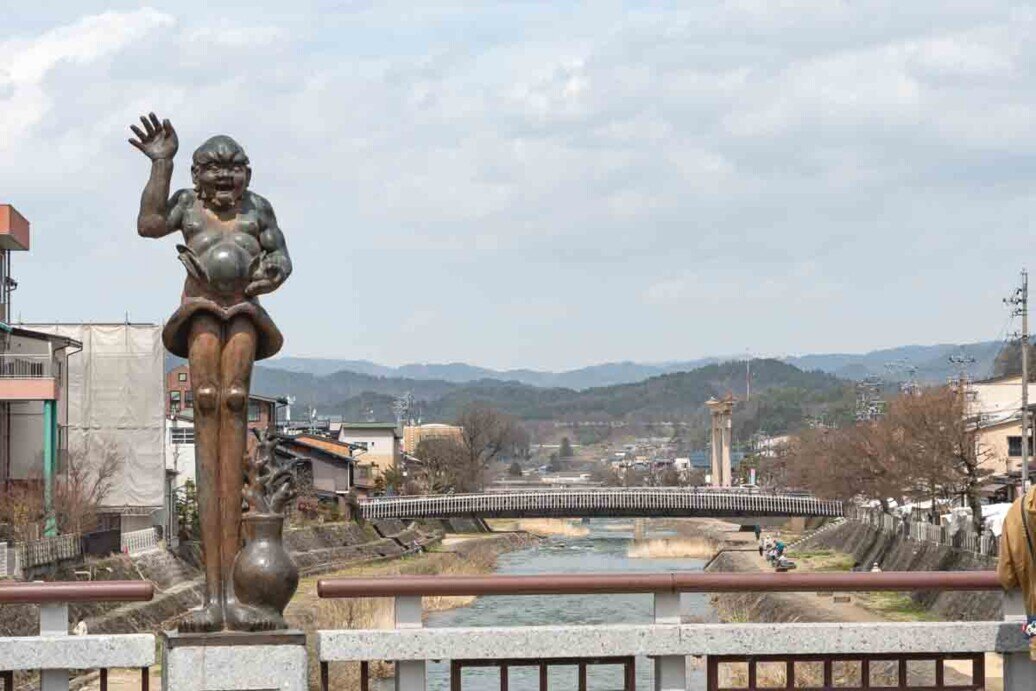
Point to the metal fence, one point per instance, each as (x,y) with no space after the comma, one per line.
(49,550)
(139,541)
(25,366)
(963,538)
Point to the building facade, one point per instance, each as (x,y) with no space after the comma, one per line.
(377,444)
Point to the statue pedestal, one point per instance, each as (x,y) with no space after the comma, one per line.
(232,661)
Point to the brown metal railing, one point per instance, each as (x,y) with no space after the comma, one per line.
(69,592)
(692,582)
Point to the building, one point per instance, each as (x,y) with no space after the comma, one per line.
(34,411)
(115,411)
(377,444)
(995,400)
(1000,445)
(413,435)
(326,468)
(995,407)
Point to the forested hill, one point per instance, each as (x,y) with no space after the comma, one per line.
(781,394)
(665,397)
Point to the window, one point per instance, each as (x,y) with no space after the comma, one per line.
(174,402)
(253,411)
(182,376)
(188,398)
(181,435)
(1014,446)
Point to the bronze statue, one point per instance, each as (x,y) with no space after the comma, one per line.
(233,251)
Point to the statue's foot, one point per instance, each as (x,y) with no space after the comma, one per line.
(242,617)
(205,619)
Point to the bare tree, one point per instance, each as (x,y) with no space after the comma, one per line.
(89,479)
(485,433)
(443,463)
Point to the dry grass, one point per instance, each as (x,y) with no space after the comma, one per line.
(822,560)
(895,606)
(811,674)
(552,526)
(672,548)
(312,614)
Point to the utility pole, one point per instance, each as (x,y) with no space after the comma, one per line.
(1020,300)
(748,375)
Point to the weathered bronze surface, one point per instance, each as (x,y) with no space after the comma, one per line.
(233,251)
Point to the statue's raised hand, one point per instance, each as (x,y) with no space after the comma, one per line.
(157,140)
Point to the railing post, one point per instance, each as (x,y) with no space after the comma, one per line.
(54,622)
(410,674)
(1019,670)
(670,670)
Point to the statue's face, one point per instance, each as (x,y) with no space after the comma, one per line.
(222,183)
(220,172)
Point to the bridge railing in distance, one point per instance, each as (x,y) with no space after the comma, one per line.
(575,503)
(54,652)
(819,656)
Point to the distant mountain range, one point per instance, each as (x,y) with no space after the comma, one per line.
(782,395)
(927,363)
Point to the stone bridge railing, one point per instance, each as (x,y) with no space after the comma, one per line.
(599,502)
(933,655)
(54,653)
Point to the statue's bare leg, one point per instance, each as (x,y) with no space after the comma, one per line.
(203,357)
(235,379)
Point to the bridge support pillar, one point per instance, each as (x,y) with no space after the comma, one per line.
(410,674)
(1019,669)
(722,412)
(670,670)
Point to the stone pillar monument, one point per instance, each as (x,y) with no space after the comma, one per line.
(722,411)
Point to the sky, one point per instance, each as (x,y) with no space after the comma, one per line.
(546,184)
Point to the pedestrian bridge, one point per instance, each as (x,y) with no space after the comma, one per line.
(598,503)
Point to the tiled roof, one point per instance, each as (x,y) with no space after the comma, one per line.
(330,446)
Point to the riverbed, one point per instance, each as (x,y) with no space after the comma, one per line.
(604,549)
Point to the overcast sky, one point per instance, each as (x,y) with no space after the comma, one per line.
(547,184)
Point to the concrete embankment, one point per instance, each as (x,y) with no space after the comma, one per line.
(867,547)
(177,577)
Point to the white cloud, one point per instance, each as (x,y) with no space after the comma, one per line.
(619,162)
(26,62)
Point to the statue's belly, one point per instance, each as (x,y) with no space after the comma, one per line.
(228,265)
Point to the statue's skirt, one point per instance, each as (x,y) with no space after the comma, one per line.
(177,331)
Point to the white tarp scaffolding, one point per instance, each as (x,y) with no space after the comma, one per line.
(116,404)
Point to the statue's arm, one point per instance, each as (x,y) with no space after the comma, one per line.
(159,214)
(276,264)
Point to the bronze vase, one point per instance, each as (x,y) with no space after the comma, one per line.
(264,577)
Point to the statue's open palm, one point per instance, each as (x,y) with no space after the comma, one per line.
(157,140)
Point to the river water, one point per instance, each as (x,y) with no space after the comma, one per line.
(604,549)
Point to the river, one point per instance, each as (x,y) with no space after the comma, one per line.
(603,549)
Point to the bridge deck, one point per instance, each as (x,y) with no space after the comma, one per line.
(602,503)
